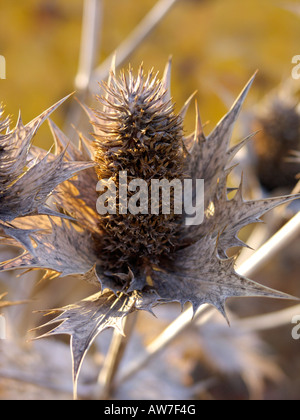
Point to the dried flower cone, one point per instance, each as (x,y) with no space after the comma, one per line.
(138,132)
(278,125)
(136,262)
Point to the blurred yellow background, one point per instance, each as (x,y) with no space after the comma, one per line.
(216,46)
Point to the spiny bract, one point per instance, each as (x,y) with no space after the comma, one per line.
(134,261)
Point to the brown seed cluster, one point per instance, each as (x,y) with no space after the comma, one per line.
(278,136)
(138,132)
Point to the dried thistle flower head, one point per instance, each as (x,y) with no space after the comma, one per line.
(278,125)
(136,261)
(137,131)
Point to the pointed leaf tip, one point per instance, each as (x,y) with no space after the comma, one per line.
(166,79)
(88,318)
(234,111)
(38,121)
(113,63)
(186,105)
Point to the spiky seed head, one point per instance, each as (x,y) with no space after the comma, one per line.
(278,134)
(138,131)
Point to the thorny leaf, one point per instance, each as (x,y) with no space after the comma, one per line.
(56,250)
(78,196)
(15,146)
(84,320)
(25,186)
(210,156)
(52,248)
(201,276)
(239,213)
(29,193)
(210,160)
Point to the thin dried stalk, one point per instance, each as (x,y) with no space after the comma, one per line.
(165,338)
(91,28)
(114,357)
(130,44)
(86,79)
(290,7)
(267,321)
(279,241)
(296,190)
(260,232)
(89,52)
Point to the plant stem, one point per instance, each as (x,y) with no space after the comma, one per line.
(88,55)
(89,43)
(279,241)
(267,321)
(129,45)
(165,338)
(114,357)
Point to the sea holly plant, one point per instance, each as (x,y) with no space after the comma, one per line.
(134,261)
